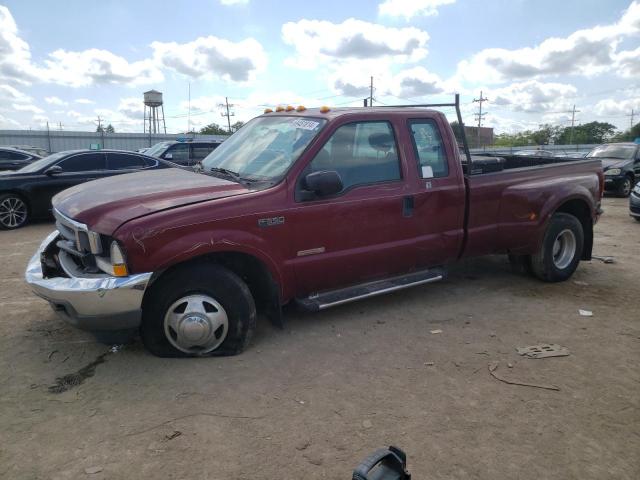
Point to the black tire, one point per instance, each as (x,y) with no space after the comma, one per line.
(637,219)
(217,282)
(14,211)
(543,264)
(625,187)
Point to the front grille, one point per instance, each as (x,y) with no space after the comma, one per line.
(78,234)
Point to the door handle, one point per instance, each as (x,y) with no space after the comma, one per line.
(407,206)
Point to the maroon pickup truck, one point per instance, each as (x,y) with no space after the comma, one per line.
(317,206)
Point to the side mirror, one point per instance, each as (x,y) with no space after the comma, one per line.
(168,156)
(53,170)
(324,183)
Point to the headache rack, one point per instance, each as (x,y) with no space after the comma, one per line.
(456,105)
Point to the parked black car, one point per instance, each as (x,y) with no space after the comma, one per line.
(183,153)
(26,193)
(621,165)
(634,203)
(14,159)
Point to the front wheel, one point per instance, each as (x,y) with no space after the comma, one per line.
(14,212)
(625,187)
(561,249)
(198,310)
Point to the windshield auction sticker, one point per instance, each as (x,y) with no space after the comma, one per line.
(305,124)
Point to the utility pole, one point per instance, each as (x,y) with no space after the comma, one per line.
(573,120)
(371,93)
(480,115)
(60,126)
(228,114)
(631,118)
(101,130)
(48,136)
(365,101)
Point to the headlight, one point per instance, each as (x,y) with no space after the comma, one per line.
(637,189)
(116,264)
(613,171)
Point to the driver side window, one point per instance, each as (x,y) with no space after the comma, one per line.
(361,152)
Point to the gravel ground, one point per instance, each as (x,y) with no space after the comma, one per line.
(312,400)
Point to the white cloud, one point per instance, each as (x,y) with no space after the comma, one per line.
(533,96)
(27,108)
(628,63)
(234,2)
(15,55)
(94,66)
(84,101)
(131,107)
(613,107)
(319,41)
(585,52)
(211,56)
(55,101)
(204,57)
(9,123)
(9,93)
(411,8)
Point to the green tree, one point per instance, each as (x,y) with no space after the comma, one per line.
(237,126)
(628,135)
(213,129)
(110,129)
(592,132)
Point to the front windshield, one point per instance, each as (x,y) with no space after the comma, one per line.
(42,163)
(264,148)
(157,149)
(621,152)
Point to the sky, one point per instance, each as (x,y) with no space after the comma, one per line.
(68,63)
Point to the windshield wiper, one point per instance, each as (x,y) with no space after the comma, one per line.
(231,174)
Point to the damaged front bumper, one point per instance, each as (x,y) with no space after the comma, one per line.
(93,302)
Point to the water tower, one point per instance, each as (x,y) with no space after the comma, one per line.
(153,112)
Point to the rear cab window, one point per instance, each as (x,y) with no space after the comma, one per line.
(429,148)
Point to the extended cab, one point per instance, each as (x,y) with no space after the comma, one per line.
(316,206)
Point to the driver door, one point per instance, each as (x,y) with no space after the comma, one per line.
(359,234)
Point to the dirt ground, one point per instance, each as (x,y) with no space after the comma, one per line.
(311,401)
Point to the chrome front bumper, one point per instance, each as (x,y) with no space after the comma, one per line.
(94,302)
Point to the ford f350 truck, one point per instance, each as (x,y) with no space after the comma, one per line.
(317,206)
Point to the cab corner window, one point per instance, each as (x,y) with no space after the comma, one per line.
(361,153)
(429,149)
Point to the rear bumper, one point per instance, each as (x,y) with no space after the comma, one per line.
(94,303)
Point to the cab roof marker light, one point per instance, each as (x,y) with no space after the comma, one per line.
(290,108)
(324,109)
(268,110)
(301,108)
(279,108)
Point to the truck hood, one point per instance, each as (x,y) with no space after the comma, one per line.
(106,204)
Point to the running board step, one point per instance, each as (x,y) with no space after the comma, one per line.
(321,301)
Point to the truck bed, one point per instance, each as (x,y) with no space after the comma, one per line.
(508,207)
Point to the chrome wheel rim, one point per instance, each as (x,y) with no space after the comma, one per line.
(13,212)
(564,249)
(196,324)
(626,188)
